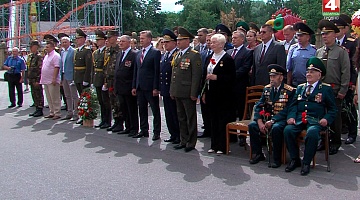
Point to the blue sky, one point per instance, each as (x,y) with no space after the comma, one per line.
(169,6)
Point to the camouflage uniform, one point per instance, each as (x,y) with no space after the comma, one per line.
(34,63)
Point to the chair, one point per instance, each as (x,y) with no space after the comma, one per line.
(301,139)
(253,94)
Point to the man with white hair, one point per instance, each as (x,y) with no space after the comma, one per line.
(67,79)
(16,67)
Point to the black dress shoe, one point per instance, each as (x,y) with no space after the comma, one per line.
(169,140)
(11,106)
(257,158)
(126,131)
(99,125)
(104,126)
(188,149)
(140,135)
(117,128)
(276,165)
(112,127)
(179,146)
(349,140)
(132,134)
(156,137)
(32,114)
(242,141)
(333,150)
(305,170)
(176,142)
(38,113)
(293,164)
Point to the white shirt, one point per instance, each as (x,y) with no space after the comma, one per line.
(183,51)
(237,49)
(125,53)
(64,54)
(267,46)
(341,40)
(170,53)
(102,48)
(146,50)
(313,86)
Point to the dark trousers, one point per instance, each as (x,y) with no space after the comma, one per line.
(171,117)
(276,137)
(219,117)
(37,94)
(14,82)
(80,87)
(186,110)
(206,118)
(349,117)
(104,102)
(311,141)
(336,126)
(240,102)
(144,98)
(129,110)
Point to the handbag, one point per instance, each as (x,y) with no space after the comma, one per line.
(6,76)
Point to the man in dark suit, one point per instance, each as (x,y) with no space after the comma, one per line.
(185,86)
(243,61)
(349,114)
(172,121)
(268,52)
(205,55)
(146,85)
(124,74)
(201,33)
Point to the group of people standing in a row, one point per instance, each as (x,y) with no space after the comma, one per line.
(127,81)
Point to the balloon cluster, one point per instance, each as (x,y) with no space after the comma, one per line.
(356,22)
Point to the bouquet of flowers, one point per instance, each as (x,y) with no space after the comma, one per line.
(88,105)
(265,115)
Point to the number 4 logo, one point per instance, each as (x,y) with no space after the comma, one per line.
(331,7)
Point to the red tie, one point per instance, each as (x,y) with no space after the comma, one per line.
(142,56)
(234,53)
(262,53)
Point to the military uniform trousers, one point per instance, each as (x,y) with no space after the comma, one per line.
(336,126)
(80,87)
(129,110)
(312,138)
(37,93)
(276,137)
(72,98)
(14,82)
(171,117)
(144,98)
(114,102)
(105,106)
(186,110)
(349,117)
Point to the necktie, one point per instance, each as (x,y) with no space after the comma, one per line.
(234,53)
(209,52)
(338,42)
(142,56)
(166,56)
(275,92)
(122,56)
(201,47)
(262,53)
(308,90)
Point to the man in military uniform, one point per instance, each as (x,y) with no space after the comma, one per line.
(184,87)
(299,54)
(83,64)
(313,109)
(109,73)
(98,81)
(337,62)
(222,29)
(34,64)
(270,115)
(172,121)
(349,114)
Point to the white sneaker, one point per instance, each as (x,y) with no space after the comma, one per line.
(220,152)
(211,151)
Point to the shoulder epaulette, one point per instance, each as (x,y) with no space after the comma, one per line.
(326,84)
(351,39)
(288,87)
(268,86)
(194,51)
(302,84)
(86,47)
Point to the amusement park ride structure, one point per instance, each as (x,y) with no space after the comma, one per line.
(20,19)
